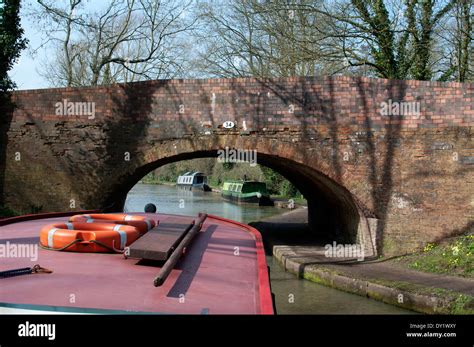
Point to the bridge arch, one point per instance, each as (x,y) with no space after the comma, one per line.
(334,214)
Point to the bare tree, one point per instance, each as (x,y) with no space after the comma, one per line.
(125,40)
(456,43)
(129,40)
(393,38)
(259,38)
(389,39)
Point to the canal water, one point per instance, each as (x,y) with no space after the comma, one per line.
(169,199)
(292,295)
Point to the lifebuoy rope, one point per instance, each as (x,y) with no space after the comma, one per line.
(113,249)
(61,248)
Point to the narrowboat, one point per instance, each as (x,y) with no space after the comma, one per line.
(193,181)
(246,192)
(131,263)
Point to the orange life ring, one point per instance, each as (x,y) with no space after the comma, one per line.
(88,237)
(142,223)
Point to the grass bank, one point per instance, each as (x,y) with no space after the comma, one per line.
(453,256)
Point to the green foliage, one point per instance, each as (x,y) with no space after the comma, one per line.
(273,179)
(11,41)
(288,189)
(277,184)
(454,258)
(463,304)
(406,53)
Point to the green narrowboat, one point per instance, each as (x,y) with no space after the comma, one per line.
(246,192)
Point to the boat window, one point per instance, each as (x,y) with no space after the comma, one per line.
(232,187)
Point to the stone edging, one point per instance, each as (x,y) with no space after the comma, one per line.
(423,303)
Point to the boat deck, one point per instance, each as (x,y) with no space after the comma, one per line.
(209,278)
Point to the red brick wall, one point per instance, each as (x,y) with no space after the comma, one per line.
(413,173)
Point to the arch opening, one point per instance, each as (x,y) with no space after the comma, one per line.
(333,213)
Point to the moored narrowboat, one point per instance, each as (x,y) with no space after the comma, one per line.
(246,192)
(193,181)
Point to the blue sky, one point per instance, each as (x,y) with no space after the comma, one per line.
(24,73)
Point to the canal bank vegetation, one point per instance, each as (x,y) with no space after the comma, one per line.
(218,173)
(5,212)
(453,256)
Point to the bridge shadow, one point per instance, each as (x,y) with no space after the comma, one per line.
(327,194)
(331,198)
(309,101)
(133,119)
(288,234)
(381,174)
(126,130)
(316,106)
(322,102)
(63,162)
(317,119)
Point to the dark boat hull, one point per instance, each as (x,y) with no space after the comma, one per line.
(252,200)
(195,187)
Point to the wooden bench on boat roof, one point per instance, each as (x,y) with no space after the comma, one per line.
(160,242)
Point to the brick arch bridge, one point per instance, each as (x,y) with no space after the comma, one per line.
(391,180)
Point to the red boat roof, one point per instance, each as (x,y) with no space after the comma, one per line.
(209,278)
